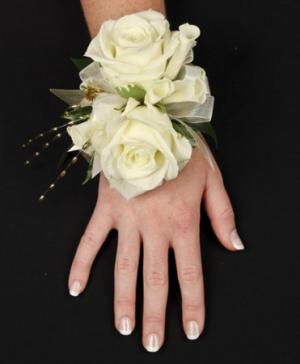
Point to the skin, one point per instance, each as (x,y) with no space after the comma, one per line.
(167,217)
(97,11)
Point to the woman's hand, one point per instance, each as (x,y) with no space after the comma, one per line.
(166,217)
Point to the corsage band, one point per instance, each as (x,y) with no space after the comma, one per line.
(141,106)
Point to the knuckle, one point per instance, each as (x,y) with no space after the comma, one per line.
(81,265)
(191,273)
(226,213)
(126,265)
(193,307)
(153,318)
(124,301)
(88,241)
(156,278)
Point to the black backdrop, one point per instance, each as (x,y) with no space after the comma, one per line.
(250,50)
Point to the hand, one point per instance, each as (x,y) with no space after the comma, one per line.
(163,218)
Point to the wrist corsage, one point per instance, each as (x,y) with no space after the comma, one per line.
(141,106)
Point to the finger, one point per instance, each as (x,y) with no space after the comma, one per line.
(91,241)
(189,269)
(126,269)
(155,272)
(220,212)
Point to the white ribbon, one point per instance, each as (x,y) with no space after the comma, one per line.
(92,76)
(192,112)
(70,97)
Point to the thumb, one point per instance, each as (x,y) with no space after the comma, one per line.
(220,212)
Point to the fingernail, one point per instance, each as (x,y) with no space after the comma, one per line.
(75,289)
(152,343)
(125,327)
(192,331)
(236,240)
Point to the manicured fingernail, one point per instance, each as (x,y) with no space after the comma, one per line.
(192,331)
(125,327)
(152,343)
(236,240)
(75,289)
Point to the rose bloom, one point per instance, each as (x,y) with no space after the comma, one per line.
(187,89)
(136,150)
(140,47)
(145,151)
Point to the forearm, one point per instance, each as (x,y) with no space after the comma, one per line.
(97,11)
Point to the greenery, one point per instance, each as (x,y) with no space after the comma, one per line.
(181,129)
(81,63)
(161,107)
(89,170)
(133,91)
(207,128)
(77,113)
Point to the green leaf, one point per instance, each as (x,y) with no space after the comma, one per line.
(77,113)
(206,128)
(89,170)
(81,63)
(161,107)
(133,91)
(180,128)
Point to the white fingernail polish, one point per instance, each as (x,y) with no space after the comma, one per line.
(192,331)
(75,289)
(125,327)
(152,343)
(236,240)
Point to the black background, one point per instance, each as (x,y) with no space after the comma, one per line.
(250,50)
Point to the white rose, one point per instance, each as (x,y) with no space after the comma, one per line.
(158,90)
(140,47)
(145,151)
(192,88)
(183,54)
